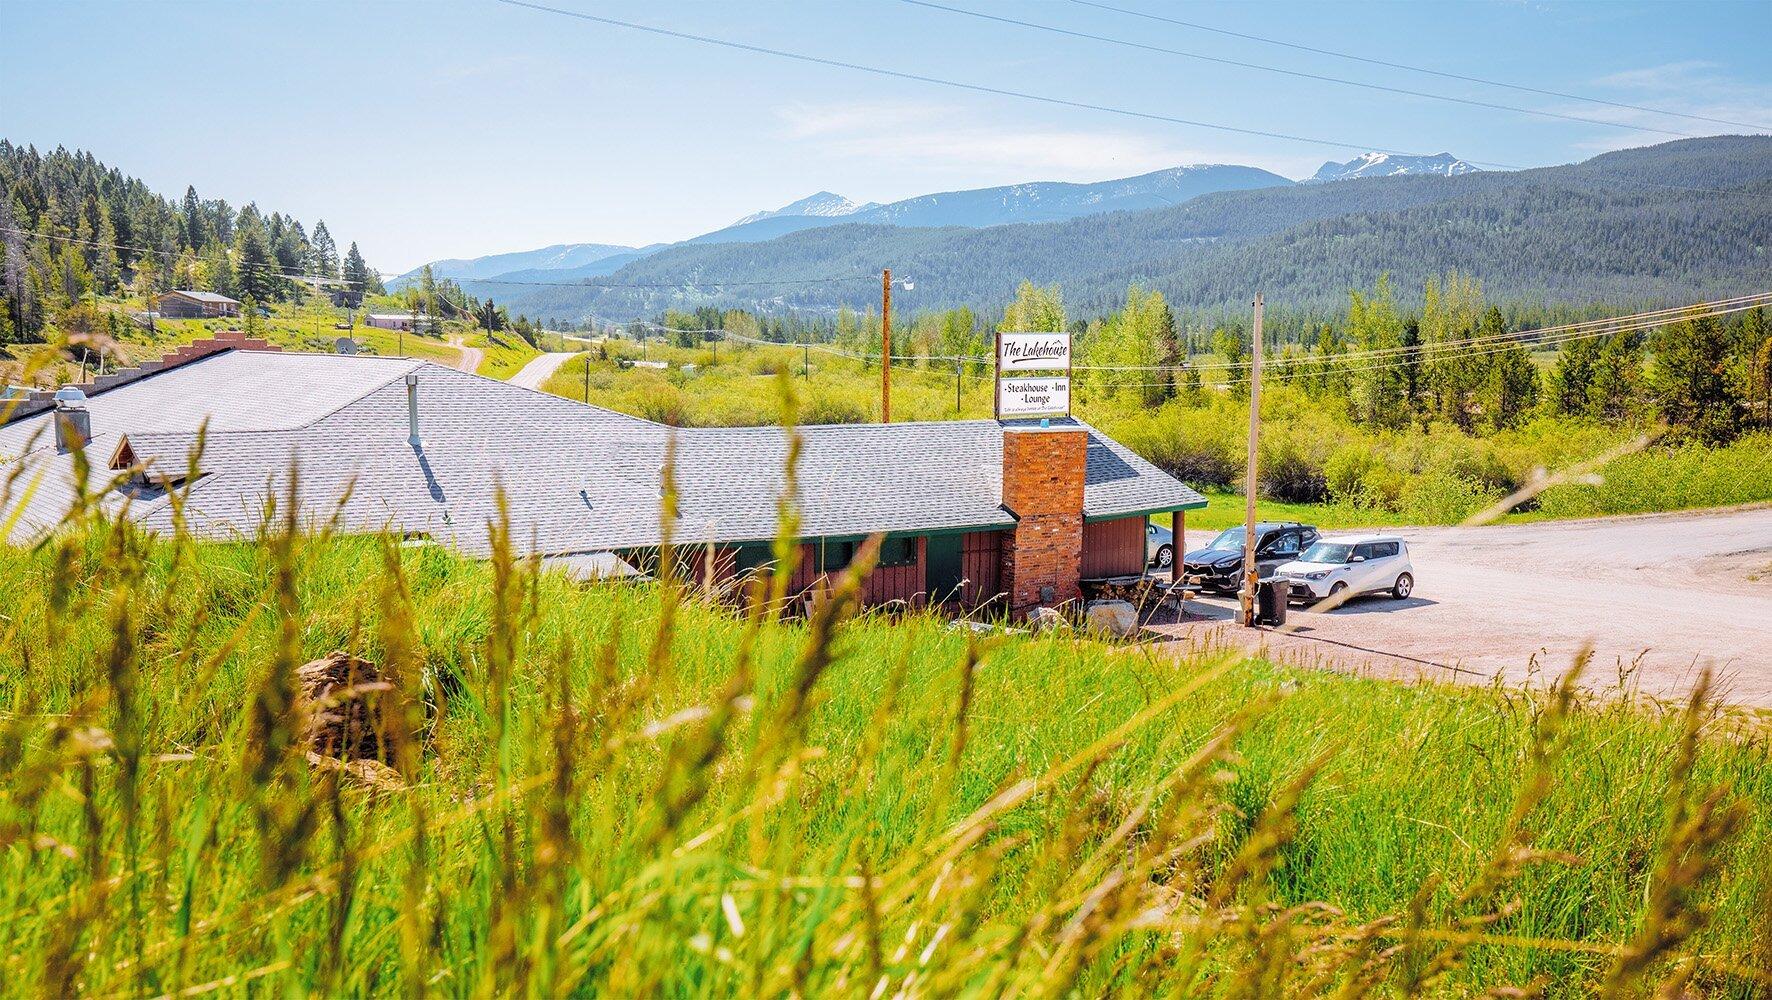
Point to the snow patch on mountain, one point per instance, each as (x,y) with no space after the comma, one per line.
(1391,165)
(824,203)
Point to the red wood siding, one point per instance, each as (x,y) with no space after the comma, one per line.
(981,566)
(898,583)
(694,565)
(1114,548)
(806,574)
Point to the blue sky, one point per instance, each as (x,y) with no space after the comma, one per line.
(428,130)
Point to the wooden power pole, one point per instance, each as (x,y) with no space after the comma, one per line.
(1251,572)
(886,346)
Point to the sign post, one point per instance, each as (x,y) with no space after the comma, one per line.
(1033,375)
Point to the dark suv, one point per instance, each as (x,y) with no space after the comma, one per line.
(1219,566)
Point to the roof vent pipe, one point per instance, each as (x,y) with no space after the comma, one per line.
(73,424)
(412,410)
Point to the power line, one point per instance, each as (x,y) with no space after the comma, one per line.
(974,87)
(589,283)
(1332,362)
(1549,334)
(1289,72)
(1417,69)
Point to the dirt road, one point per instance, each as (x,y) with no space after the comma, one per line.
(1665,593)
(468,359)
(537,371)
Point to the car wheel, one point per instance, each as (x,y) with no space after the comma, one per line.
(1165,556)
(1404,587)
(1336,591)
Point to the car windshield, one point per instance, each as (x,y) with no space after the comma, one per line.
(1229,538)
(1327,552)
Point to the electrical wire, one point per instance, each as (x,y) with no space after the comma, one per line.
(1418,69)
(591,283)
(974,87)
(1551,334)
(1128,43)
(1332,366)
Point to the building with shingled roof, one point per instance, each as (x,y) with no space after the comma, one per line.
(974,511)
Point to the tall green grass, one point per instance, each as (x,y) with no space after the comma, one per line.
(636,789)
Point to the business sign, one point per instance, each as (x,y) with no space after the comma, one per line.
(1033,352)
(1033,397)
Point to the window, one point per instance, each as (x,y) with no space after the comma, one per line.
(1327,552)
(899,551)
(1384,550)
(753,558)
(835,556)
(1285,544)
(1365,550)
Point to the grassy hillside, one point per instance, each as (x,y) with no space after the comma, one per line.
(613,790)
(311,326)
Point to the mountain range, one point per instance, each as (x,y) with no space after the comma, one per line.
(1390,165)
(1655,224)
(1045,201)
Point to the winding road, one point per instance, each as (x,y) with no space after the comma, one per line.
(468,358)
(538,370)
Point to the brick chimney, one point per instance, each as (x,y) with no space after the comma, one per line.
(1043,473)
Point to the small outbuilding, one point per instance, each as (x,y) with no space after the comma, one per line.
(406,322)
(184,303)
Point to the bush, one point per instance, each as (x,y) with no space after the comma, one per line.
(830,408)
(1670,478)
(1289,475)
(1442,498)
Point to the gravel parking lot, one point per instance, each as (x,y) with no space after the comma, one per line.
(1662,595)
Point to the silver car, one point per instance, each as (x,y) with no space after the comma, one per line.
(1159,545)
(1373,564)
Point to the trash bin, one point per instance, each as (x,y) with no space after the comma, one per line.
(1270,602)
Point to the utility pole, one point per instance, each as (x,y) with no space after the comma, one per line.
(587,355)
(805,355)
(886,346)
(1251,572)
(956,387)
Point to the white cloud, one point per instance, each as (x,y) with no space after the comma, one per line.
(1690,87)
(948,139)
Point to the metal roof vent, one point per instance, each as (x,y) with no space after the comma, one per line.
(73,424)
(412,410)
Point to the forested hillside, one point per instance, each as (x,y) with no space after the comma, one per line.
(1663,222)
(72,227)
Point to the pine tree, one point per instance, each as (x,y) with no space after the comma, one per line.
(196,221)
(325,261)
(356,274)
(1756,341)
(1688,379)
(256,265)
(107,268)
(1573,377)
(1615,394)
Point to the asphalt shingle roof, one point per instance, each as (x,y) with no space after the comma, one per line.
(576,478)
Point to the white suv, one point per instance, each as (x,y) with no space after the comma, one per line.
(1368,565)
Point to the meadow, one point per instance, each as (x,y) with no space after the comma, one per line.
(587,789)
(1318,464)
